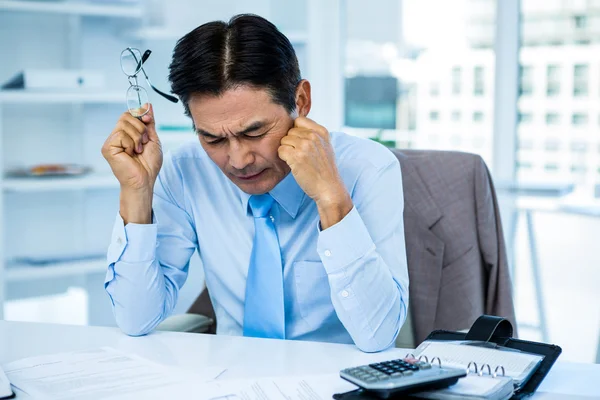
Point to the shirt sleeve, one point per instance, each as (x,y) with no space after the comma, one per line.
(365,258)
(148,264)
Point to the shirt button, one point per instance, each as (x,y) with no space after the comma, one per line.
(345,293)
(327,253)
(119,240)
(272,218)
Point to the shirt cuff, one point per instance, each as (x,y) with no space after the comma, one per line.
(132,242)
(345,242)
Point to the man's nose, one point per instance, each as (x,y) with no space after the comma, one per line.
(240,155)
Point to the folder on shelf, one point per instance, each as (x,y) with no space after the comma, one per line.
(56,79)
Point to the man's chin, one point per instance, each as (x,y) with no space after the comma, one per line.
(258,185)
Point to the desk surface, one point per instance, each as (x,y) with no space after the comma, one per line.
(246,357)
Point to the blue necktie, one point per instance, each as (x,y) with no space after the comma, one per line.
(264,309)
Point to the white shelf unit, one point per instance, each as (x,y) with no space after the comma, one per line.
(45,184)
(55,97)
(76,29)
(72,8)
(30,273)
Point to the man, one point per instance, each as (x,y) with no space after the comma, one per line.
(300,231)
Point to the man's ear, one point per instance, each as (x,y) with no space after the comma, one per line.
(303,99)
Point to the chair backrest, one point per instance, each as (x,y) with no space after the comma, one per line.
(455,248)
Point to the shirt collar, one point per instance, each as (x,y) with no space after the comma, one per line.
(287,193)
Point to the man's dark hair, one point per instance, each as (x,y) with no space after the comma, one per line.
(248,50)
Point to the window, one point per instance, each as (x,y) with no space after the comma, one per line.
(579,147)
(443,63)
(552,119)
(552,146)
(525,118)
(371,102)
(525,144)
(551,167)
(578,168)
(553,80)
(579,119)
(526,87)
(524,165)
(434,89)
(580,21)
(478,81)
(456,80)
(580,80)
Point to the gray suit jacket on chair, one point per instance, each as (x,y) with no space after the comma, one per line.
(455,247)
(456,254)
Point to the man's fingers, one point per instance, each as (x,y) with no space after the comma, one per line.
(303,133)
(285,152)
(304,122)
(292,141)
(134,133)
(120,142)
(139,125)
(148,119)
(307,123)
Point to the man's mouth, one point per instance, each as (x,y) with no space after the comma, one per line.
(249,177)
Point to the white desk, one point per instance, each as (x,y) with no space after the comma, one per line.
(246,357)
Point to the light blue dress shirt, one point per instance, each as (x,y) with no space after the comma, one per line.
(347,283)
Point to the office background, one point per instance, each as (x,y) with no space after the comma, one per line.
(517,82)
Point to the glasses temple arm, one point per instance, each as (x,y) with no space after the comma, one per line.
(169,97)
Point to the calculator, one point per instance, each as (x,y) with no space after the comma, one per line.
(404,376)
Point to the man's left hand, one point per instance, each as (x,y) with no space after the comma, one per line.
(307,150)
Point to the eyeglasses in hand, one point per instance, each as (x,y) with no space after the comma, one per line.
(132,62)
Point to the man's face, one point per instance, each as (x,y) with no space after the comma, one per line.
(241,131)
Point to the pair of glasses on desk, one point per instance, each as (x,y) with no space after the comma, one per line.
(132,63)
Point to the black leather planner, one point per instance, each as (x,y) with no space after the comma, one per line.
(490,331)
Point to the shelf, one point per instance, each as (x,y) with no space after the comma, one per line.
(52,97)
(73,8)
(93,181)
(162,33)
(26,272)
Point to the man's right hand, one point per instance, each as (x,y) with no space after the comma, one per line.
(134,153)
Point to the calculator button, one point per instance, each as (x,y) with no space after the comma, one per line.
(396,374)
(407,373)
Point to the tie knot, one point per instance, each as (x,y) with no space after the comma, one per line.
(261,205)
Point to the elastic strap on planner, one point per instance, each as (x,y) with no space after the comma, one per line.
(488,328)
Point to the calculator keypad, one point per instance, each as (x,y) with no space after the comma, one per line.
(387,370)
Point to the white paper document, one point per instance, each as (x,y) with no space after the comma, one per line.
(103,373)
(318,387)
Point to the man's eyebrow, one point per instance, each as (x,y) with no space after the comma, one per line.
(206,134)
(253,127)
